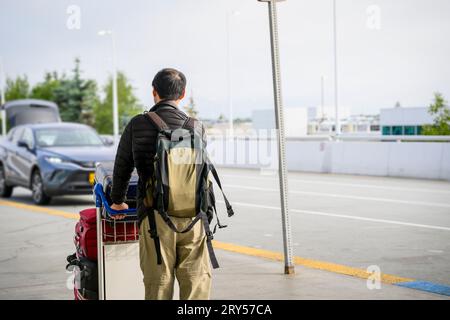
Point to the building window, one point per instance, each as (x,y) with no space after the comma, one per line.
(374,127)
(410,130)
(386,131)
(397,130)
(419,130)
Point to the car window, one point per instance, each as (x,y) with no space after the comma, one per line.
(67,137)
(27,137)
(16,135)
(11,133)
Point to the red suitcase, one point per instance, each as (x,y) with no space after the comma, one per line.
(113,231)
(86,234)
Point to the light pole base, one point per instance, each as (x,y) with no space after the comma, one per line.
(289,270)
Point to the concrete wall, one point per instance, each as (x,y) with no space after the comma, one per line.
(429,160)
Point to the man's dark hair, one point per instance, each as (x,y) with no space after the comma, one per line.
(169,83)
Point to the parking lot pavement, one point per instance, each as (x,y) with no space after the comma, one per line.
(400,225)
(34,247)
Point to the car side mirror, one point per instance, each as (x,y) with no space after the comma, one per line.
(23,144)
(107,141)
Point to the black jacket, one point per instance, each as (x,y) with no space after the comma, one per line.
(137,148)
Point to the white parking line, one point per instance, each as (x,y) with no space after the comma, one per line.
(343,216)
(344,196)
(343,184)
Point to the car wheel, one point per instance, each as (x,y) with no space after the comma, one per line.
(5,190)
(37,189)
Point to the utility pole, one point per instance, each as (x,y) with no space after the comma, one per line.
(114,83)
(279,116)
(228,18)
(2,96)
(322,95)
(336,97)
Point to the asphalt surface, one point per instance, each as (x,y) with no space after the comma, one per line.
(400,225)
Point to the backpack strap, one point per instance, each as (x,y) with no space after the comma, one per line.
(160,125)
(209,238)
(157,121)
(154,235)
(213,170)
(189,123)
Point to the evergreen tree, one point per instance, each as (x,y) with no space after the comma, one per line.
(190,107)
(128,105)
(76,97)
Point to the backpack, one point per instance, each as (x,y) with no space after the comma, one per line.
(180,184)
(85,277)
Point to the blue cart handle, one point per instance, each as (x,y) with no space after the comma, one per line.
(101,201)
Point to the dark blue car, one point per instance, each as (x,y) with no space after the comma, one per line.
(51,159)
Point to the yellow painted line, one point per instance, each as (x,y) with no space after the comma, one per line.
(34,208)
(261,253)
(314,264)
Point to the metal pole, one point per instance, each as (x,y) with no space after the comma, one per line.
(115,98)
(336,103)
(229,76)
(2,96)
(279,116)
(322,95)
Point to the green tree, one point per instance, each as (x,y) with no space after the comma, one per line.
(45,90)
(129,105)
(18,88)
(221,118)
(190,108)
(441,112)
(76,97)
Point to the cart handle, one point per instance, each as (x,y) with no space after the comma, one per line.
(98,191)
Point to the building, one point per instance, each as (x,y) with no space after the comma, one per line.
(355,124)
(328,112)
(404,121)
(321,120)
(296,121)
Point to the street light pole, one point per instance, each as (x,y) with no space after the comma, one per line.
(279,116)
(114,84)
(336,97)
(2,96)
(322,95)
(229,15)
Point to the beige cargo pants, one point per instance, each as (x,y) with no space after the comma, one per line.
(184,256)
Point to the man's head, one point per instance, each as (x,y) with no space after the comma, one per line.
(169,84)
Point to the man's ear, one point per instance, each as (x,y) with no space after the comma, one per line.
(156,97)
(182,95)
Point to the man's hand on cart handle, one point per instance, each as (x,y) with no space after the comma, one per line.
(119,207)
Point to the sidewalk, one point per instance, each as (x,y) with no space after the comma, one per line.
(245,277)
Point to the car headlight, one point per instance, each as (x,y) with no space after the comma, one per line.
(56,160)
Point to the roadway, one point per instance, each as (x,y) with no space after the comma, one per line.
(400,225)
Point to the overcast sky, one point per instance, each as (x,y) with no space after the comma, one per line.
(406,59)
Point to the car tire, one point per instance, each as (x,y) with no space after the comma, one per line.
(37,189)
(5,190)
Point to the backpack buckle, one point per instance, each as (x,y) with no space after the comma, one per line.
(210,235)
(230,211)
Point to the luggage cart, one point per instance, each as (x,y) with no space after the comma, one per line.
(119,273)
